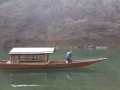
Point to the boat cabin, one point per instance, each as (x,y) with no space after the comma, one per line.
(30,55)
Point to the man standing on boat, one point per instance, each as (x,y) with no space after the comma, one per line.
(68,56)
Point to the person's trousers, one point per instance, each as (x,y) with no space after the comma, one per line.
(69,60)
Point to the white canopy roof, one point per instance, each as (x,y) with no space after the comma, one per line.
(31,50)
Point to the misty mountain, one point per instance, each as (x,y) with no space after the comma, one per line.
(48,20)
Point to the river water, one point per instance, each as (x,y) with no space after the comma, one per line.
(103,75)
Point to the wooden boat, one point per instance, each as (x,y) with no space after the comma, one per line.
(28,58)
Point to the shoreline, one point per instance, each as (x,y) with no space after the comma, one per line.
(66,44)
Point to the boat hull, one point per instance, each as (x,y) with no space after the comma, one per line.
(51,64)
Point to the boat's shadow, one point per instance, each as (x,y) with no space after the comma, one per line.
(52,70)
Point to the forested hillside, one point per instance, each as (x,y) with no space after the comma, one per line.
(59,22)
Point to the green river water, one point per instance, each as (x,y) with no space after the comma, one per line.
(103,75)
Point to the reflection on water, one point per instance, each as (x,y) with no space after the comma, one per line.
(41,77)
(13,85)
(69,76)
(32,79)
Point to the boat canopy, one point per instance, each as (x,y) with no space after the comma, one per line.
(32,50)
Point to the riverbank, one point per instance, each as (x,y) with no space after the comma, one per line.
(73,43)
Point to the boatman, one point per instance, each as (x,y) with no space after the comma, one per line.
(68,56)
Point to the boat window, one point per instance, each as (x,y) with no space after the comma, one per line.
(30,57)
(15,57)
(23,57)
(40,57)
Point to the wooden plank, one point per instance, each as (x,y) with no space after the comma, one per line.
(18,57)
(11,58)
(46,60)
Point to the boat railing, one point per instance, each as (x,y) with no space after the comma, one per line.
(31,61)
